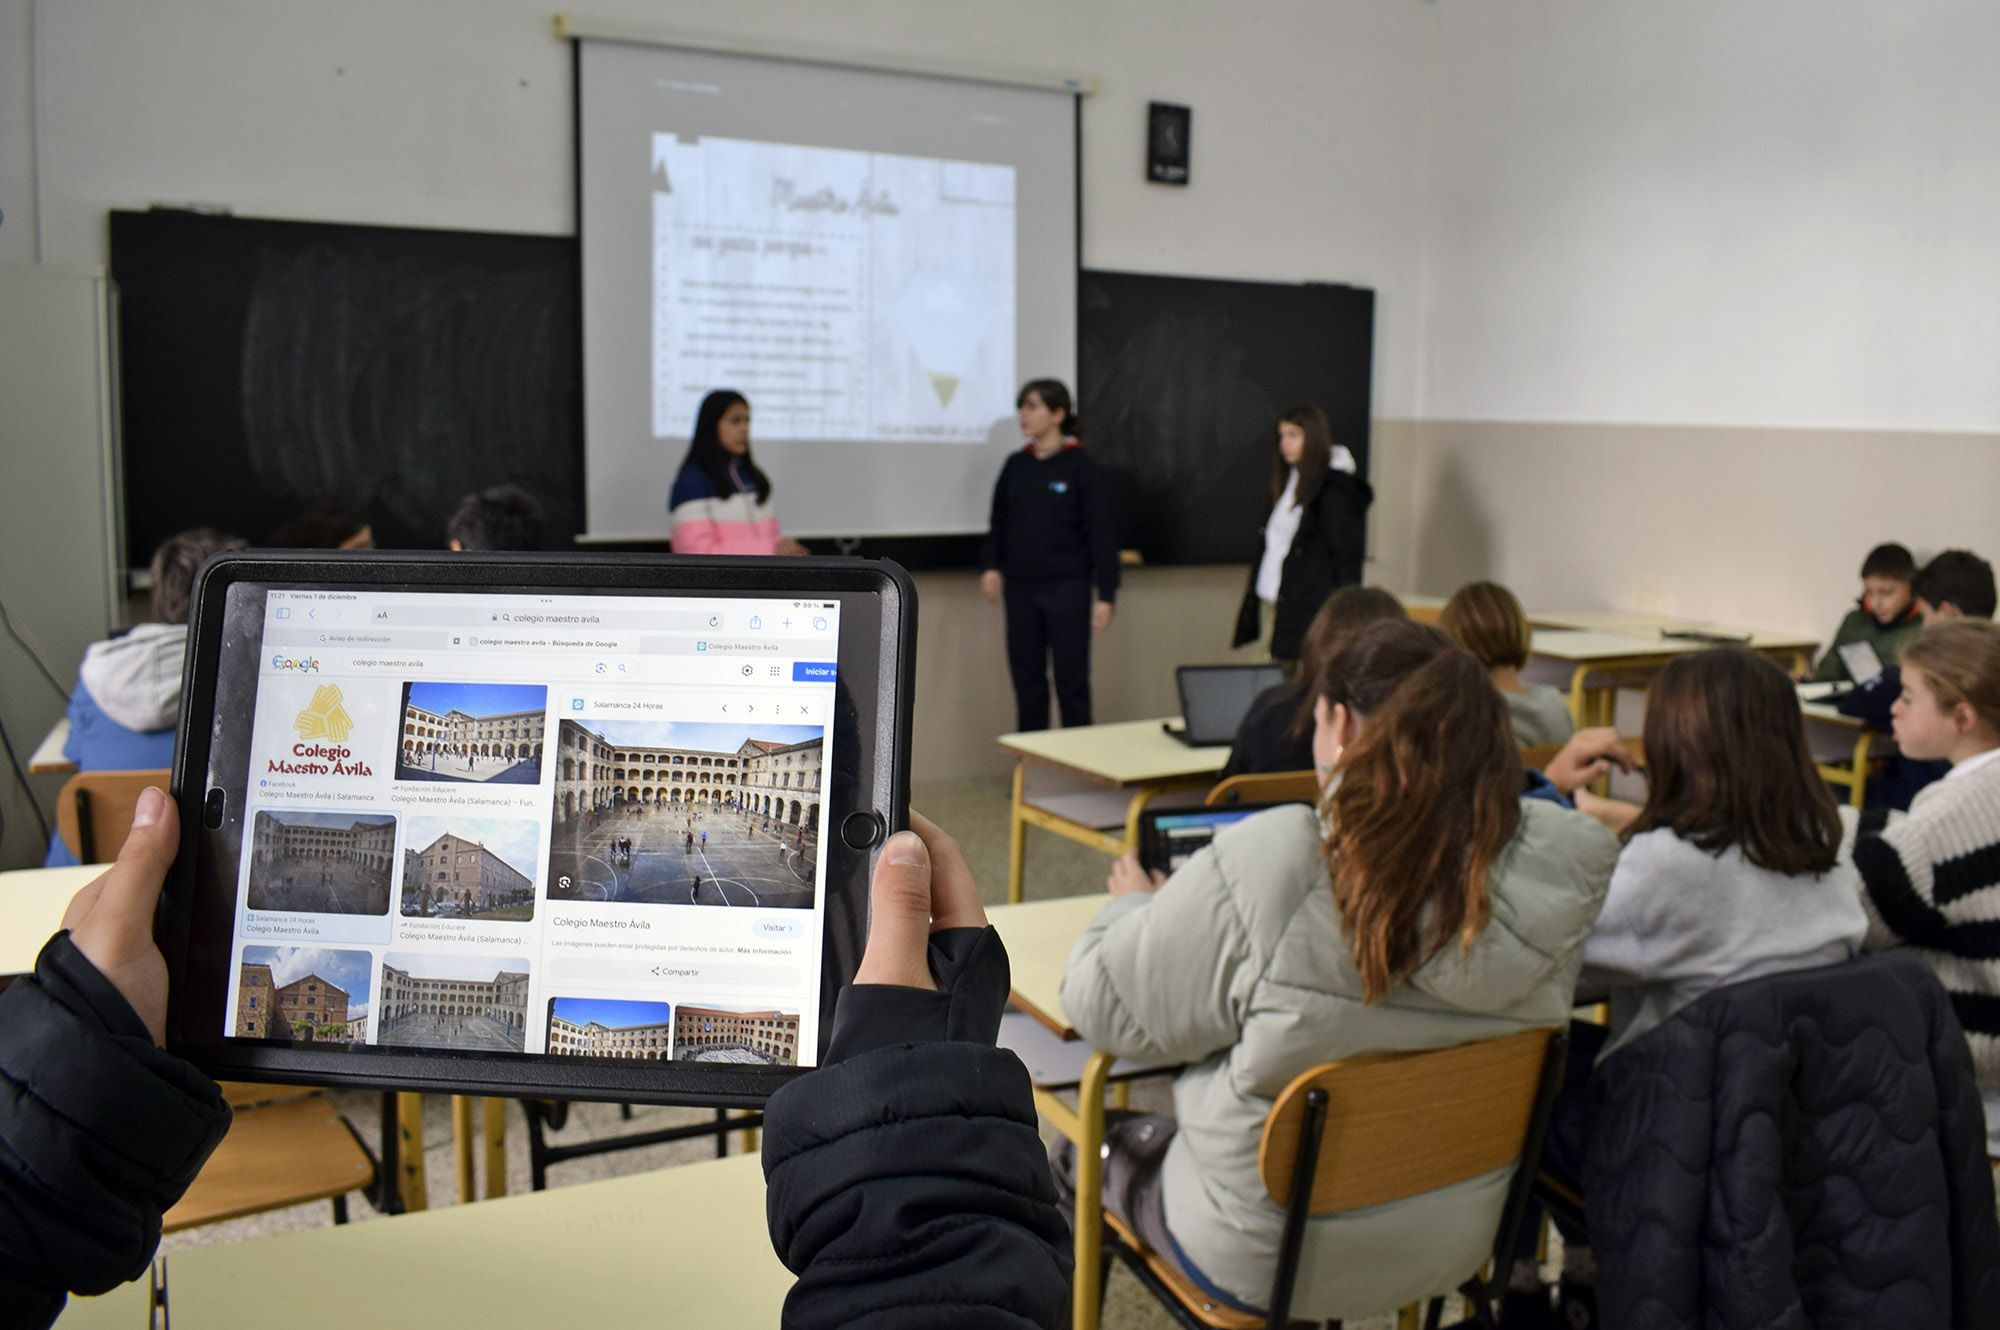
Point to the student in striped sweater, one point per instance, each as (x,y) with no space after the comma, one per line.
(721,502)
(1933,875)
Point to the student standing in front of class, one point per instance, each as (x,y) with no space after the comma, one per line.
(721,501)
(1314,539)
(1051,554)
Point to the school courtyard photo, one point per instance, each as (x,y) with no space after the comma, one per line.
(484,733)
(670,813)
(432,1000)
(322,863)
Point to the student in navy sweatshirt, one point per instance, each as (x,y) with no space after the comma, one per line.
(1052,555)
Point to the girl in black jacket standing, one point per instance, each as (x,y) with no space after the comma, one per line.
(1052,554)
(1313,540)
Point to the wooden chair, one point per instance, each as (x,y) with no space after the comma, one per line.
(286,1146)
(1372,1130)
(94,810)
(1276,787)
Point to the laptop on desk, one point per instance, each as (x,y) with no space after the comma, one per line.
(1216,698)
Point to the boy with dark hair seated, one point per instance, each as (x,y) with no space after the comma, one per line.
(504,517)
(1957,584)
(1885,618)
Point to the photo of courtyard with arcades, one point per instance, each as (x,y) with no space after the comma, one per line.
(483,733)
(672,813)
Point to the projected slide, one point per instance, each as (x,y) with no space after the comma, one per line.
(849,295)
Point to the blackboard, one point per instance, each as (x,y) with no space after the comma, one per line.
(264,364)
(1180,382)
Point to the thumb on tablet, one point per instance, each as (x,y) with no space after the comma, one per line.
(899,916)
(111,920)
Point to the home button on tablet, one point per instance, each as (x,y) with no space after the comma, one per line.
(861,830)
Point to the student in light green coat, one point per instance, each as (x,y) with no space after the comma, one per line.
(1429,903)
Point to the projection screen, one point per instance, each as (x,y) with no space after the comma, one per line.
(876,260)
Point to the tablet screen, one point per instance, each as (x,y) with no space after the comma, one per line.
(578,826)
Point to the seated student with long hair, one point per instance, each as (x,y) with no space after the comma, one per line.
(1276,732)
(1485,619)
(721,500)
(1933,875)
(1734,868)
(1428,903)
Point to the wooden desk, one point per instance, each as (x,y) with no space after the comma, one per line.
(32,901)
(1086,784)
(1601,651)
(48,757)
(1039,937)
(684,1246)
(127,1307)
(1861,739)
(1423,609)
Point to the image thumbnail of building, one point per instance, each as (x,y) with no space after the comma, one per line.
(503,998)
(649,1042)
(711,1034)
(368,845)
(513,736)
(782,781)
(593,774)
(266,1011)
(457,869)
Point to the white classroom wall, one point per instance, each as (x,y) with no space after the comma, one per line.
(1712,300)
(1681,303)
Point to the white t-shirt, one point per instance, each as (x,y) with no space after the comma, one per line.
(1278,535)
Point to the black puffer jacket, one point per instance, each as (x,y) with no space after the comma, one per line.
(100,1133)
(1806,1150)
(908,1186)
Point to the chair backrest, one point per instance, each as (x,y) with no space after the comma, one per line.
(1275,787)
(1401,1124)
(94,810)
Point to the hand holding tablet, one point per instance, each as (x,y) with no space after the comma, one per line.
(596,826)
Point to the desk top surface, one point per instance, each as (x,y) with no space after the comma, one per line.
(127,1307)
(48,756)
(1039,935)
(1132,752)
(1648,628)
(683,1246)
(32,901)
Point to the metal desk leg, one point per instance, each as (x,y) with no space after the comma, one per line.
(1136,808)
(1579,696)
(1084,1125)
(410,1155)
(1858,786)
(461,1147)
(496,1147)
(1017,834)
(1090,1190)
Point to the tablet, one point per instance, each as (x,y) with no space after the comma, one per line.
(1170,837)
(568,826)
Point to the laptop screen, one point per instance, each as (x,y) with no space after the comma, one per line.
(1215,698)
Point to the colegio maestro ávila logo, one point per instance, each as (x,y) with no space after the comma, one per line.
(322,750)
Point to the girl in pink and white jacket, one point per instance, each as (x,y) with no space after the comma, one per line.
(721,502)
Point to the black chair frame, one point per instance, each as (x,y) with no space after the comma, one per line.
(545,1116)
(1481,1293)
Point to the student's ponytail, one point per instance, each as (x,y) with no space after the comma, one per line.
(1422,801)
